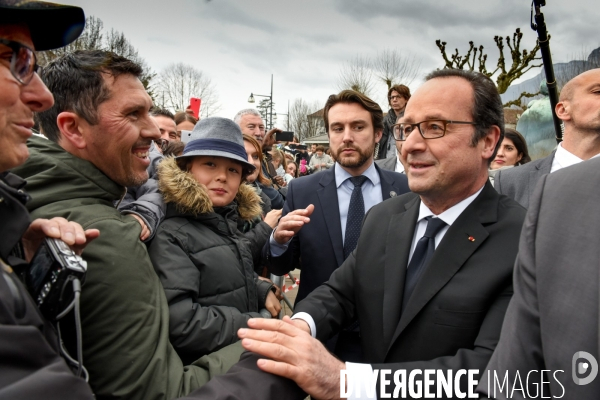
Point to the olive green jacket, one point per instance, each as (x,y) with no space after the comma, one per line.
(125,316)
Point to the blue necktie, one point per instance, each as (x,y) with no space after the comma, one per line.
(421,257)
(356,213)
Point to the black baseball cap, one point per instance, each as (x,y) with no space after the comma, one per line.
(51,25)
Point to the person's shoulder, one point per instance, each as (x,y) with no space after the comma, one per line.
(394,205)
(522,170)
(309,181)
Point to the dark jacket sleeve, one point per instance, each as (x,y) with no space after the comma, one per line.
(275,197)
(258,236)
(146,202)
(194,330)
(290,259)
(245,381)
(30,367)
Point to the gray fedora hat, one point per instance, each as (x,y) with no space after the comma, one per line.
(51,25)
(219,137)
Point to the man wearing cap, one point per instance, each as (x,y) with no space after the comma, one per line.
(100,132)
(30,364)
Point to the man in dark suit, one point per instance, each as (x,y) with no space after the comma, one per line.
(578,109)
(424,300)
(354,124)
(553,316)
(318,247)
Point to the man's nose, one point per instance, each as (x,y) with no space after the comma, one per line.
(150,129)
(36,95)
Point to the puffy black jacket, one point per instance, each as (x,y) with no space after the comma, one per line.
(205,263)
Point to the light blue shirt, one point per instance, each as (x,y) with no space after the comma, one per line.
(371,191)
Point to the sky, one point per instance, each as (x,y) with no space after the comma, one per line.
(305,43)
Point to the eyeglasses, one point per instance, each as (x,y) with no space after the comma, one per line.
(162,143)
(394,98)
(432,129)
(23,63)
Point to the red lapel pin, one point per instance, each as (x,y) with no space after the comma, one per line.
(471,238)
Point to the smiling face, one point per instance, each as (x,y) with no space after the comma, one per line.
(446,170)
(17,102)
(221,176)
(352,138)
(291,168)
(507,155)
(254,159)
(167,128)
(119,143)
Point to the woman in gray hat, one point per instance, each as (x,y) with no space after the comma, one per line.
(204,261)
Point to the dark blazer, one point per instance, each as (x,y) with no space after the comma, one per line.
(388,164)
(554,312)
(519,183)
(319,243)
(454,316)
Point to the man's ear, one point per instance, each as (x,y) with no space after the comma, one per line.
(562,110)
(70,128)
(378,135)
(490,141)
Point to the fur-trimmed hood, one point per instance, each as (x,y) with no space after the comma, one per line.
(190,197)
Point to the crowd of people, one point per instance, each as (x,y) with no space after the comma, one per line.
(427,238)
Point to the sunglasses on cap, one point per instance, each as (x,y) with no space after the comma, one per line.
(23,62)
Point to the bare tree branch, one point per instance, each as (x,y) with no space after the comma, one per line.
(357,75)
(393,68)
(522,61)
(304,126)
(177,83)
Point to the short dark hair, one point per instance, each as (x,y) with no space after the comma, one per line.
(520,144)
(349,97)
(174,148)
(402,90)
(320,148)
(76,81)
(163,112)
(487,108)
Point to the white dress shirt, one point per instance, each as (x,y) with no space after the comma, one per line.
(363,372)
(563,159)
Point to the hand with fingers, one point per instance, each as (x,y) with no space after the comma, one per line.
(294,354)
(59,228)
(292,223)
(145,234)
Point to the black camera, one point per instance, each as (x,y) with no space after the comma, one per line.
(51,274)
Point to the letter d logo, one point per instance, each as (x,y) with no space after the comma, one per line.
(580,368)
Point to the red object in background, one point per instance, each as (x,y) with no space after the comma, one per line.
(195,106)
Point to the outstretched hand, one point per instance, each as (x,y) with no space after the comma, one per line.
(59,228)
(292,223)
(294,354)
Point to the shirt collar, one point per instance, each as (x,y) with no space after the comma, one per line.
(564,158)
(341,175)
(399,166)
(451,214)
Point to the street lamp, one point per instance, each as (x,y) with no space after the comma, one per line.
(270,97)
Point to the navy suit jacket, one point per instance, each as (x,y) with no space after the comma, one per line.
(318,248)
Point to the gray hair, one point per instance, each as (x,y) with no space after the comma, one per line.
(246,111)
